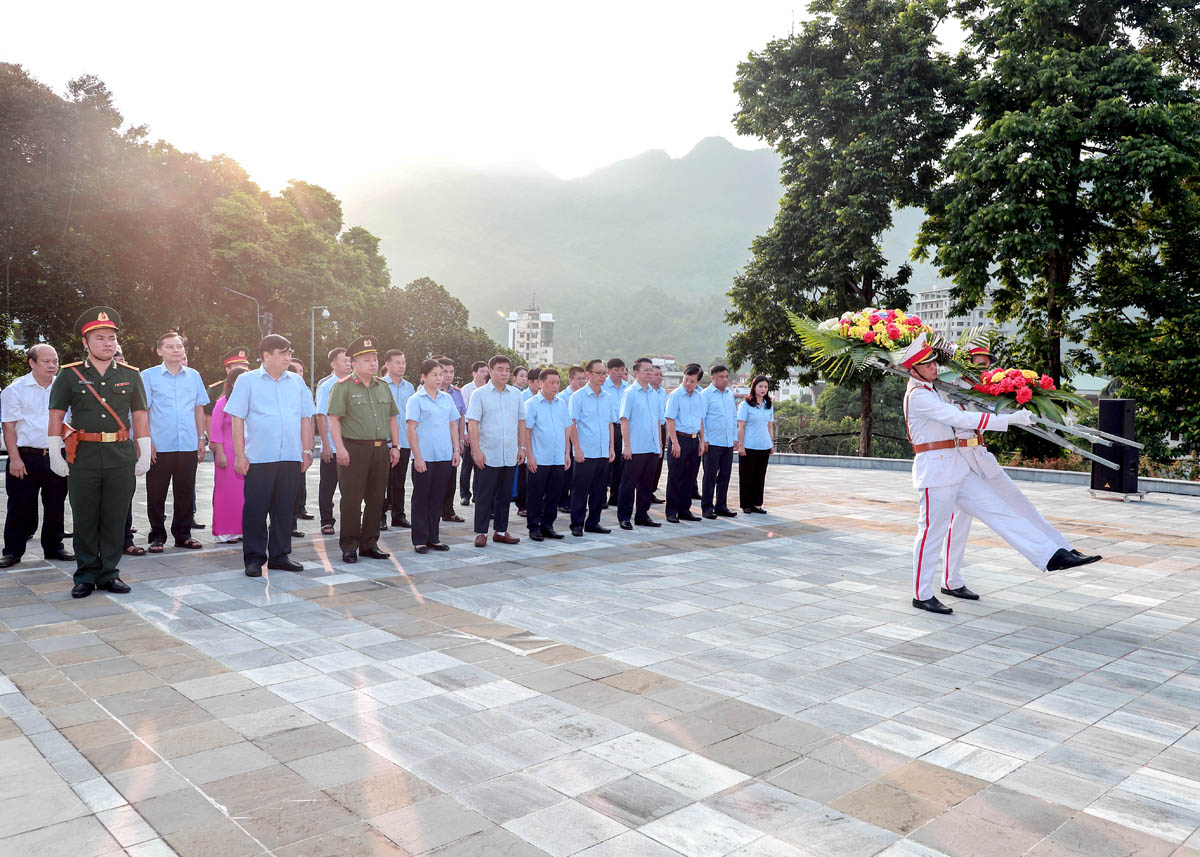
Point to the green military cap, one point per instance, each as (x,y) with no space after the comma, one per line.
(98,317)
(365,344)
(234,356)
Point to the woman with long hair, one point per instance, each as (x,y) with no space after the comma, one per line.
(431,420)
(755,443)
(228,485)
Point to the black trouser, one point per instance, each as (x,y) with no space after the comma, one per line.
(637,480)
(662,444)
(616,466)
(568,484)
(588,492)
(522,488)
(681,474)
(129,527)
(364,484)
(177,470)
(493,497)
(718,464)
(325,487)
(752,476)
(397,478)
(544,486)
(22,518)
(425,505)
(301,497)
(270,492)
(464,475)
(448,495)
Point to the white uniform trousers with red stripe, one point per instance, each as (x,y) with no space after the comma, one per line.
(960,527)
(974,496)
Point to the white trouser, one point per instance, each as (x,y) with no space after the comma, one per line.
(960,527)
(976,497)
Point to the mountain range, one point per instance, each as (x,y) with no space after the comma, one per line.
(633,258)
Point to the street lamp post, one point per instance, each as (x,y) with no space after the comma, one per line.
(257,309)
(312,341)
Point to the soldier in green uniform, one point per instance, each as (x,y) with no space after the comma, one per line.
(108,412)
(362,417)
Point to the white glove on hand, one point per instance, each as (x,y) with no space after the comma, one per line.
(143,462)
(58,464)
(1021,418)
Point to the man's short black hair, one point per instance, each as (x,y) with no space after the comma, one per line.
(717,367)
(335,353)
(615,363)
(477,365)
(694,369)
(535,373)
(273,342)
(497,360)
(394,352)
(641,361)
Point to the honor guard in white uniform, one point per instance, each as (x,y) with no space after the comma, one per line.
(948,478)
(959,530)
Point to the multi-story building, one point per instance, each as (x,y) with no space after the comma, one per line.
(531,335)
(935,307)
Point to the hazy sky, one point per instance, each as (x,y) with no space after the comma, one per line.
(336,92)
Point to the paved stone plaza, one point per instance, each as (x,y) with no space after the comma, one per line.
(757,687)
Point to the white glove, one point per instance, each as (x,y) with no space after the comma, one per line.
(58,464)
(1020,418)
(143,462)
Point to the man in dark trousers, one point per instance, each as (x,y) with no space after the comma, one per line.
(591,410)
(685,430)
(641,448)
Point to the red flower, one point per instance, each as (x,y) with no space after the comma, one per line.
(1020,380)
(869,336)
(1024,395)
(893,331)
(876,318)
(913,321)
(1047,383)
(891,315)
(986,376)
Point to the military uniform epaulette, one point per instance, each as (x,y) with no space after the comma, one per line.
(69,365)
(127,366)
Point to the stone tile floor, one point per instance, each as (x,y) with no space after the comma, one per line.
(756,687)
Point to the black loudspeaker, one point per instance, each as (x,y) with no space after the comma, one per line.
(1116,417)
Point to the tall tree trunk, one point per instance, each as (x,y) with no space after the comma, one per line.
(867,417)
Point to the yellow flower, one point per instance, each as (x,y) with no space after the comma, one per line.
(1031,375)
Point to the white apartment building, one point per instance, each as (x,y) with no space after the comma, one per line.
(531,335)
(934,307)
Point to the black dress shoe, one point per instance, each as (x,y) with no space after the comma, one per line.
(932,605)
(253,569)
(439,546)
(349,556)
(192,525)
(82,590)
(464,501)
(116,585)
(285,565)
(712,516)
(648,523)
(551,533)
(625,525)
(402,523)
(961,592)
(304,516)
(672,519)
(536,535)
(688,516)
(654,500)
(453,519)
(374,553)
(421,549)
(759,510)
(60,554)
(603,531)
(8,560)
(726,513)
(1063,558)
(296,534)
(577,532)
(746,511)
(1088,557)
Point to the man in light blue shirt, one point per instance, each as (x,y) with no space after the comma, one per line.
(591,411)
(576,380)
(496,425)
(547,430)
(339,364)
(616,384)
(685,430)
(479,378)
(273,446)
(640,447)
(175,401)
(535,387)
(656,381)
(720,437)
(396,363)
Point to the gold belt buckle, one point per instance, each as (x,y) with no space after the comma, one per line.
(108,437)
(379,443)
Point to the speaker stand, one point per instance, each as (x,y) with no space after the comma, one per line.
(1116,495)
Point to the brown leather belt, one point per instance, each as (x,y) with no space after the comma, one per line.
(102,436)
(685,434)
(946,444)
(356,442)
(32,450)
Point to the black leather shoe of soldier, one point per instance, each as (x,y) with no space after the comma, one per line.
(961,592)
(116,585)
(285,565)
(932,605)
(349,556)
(81,590)
(374,553)
(1063,558)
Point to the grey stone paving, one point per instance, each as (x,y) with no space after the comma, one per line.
(753,687)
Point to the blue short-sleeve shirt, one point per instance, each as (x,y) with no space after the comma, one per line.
(547,421)
(433,418)
(616,392)
(273,409)
(593,415)
(720,417)
(323,390)
(640,405)
(687,410)
(498,413)
(757,436)
(401,392)
(171,402)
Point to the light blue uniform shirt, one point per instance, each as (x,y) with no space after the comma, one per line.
(616,392)
(273,410)
(639,405)
(662,405)
(720,417)
(757,436)
(497,413)
(171,402)
(687,410)
(593,415)
(401,392)
(323,390)
(547,421)
(433,418)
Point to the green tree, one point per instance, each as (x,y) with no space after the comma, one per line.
(1075,124)
(860,104)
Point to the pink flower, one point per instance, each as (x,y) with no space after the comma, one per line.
(1020,380)
(913,321)
(891,315)
(1024,395)
(893,331)
(1047,383)
(876,318)
(869,336)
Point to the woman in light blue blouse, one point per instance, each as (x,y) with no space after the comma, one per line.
(432,419)
(755,443)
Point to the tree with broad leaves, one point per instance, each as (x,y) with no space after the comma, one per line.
(860,104)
